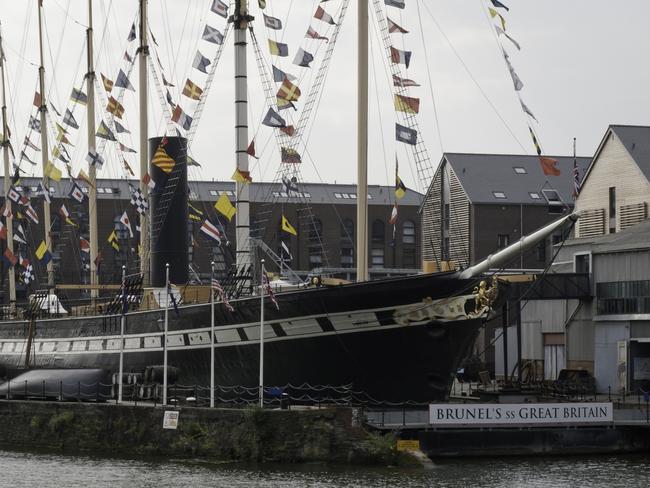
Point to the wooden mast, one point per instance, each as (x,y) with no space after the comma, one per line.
(92,170)
(47,224)
(362,141)
(143,52)
(7,176)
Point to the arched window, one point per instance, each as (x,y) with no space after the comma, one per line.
(378,232)
(347,244)
(347,231)
(315,245)
(315,229)
(408,232)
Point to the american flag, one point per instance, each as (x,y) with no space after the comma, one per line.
(216,286)
(267,288)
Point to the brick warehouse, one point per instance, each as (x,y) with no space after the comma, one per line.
(323,214)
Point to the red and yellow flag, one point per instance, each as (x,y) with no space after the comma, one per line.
(192,90)
(407,104)
(115,108)
(288,91)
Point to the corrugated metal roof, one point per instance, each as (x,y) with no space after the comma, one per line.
(636,140)
(313,193)
(511,178)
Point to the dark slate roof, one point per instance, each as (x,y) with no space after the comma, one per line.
(633,238)
(636,140)
(320,193)
(482,174)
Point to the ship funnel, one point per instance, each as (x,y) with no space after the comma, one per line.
(504,256)
(168,210)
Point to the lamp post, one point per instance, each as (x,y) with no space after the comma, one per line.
(261,393)
(122,324)
(165,335)
(212,337)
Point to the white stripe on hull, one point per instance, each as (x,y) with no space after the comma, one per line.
(225,336)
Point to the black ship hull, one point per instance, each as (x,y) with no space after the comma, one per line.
(395,340)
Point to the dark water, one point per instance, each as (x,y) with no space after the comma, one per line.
(21,469)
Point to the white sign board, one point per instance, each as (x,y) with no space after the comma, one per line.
(170,420)
(519,413)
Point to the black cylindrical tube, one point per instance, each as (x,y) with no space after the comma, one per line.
(168,212)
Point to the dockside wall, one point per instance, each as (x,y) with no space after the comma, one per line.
(324,435)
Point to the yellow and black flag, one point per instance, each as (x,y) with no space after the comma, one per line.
(163,160)
(287,227)
(77,96)
(113,241)
(104,132)
(194,213)
(537,147)
(400,189)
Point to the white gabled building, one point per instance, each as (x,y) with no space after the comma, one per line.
(615,191)
(608,334)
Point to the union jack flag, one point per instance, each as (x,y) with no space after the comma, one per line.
(576,180)
(267,289)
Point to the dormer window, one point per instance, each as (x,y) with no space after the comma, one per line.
(552,197)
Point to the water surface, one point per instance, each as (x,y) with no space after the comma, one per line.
(32,469)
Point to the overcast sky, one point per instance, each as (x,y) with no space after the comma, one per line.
(584,64)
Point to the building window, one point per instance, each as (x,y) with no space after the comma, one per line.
(347,257)
(623,297)
(503,240)
(378,232)
(534,195)
(409,258)
(541,251)
(552,197)
(554,355)
(347,231)
(519,170)
(190,247)
(315,246)
(612,209)
(499,194)
(446,217)
(581,263)
(377,256)
(315,257)
(554,201)
(408,232)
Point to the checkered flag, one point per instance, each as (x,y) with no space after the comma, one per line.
(139,201)
(28,274)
